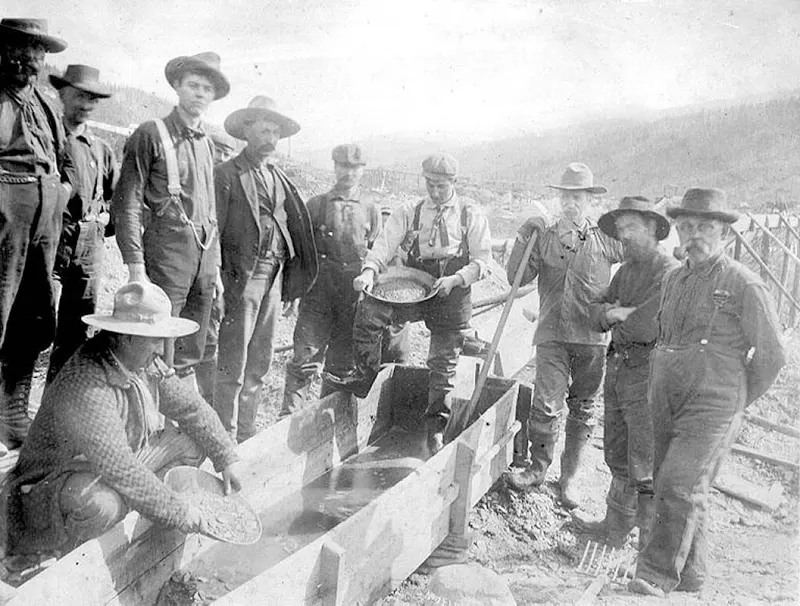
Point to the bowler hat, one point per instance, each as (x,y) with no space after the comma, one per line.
(30,30)
(578,177)
(204,63)
(82,77)
(349,154)
(704,202)
(260,107)
(635,204)
(142,309)
(440,166)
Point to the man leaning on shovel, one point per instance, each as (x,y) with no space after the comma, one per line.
(450,240)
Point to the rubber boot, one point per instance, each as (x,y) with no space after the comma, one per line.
(542,446)
(577,436)
(645,515)
(620,517)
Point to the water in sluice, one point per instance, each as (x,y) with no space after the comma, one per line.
(319,506)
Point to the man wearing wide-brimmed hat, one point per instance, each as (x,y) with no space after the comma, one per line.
(113,420)
(268,256)
(627,309)
(572,258)
(447,236)
(35,182)
(163,206)
(346,222)
(86,218)
(719,349)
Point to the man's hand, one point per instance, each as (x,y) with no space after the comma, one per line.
(448,283)
(230,477)
(534,224)
(290,308)
(364,281)
(136,273)
(103,218)
(615,315)
(195,522)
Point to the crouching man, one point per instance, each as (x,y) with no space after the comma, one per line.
(111,423)
(450,240)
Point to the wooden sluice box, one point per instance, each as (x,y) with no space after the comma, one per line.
(350,503)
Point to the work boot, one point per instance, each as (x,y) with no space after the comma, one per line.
(542,444)
(645,515)
(620,518)
(358,383)
(530,477)
(577,436)
(14,419)
(690,584)
(642,587)
(434,429)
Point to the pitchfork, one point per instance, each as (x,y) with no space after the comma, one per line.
(606,564)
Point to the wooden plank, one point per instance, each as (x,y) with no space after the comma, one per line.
(459,510)
(766,269)
(796,273)
(332,575)
(749,492)
(784,267)
(763,456)
(772,425)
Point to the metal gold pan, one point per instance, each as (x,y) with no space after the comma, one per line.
(417,276)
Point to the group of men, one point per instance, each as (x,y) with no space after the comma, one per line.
(692,345)
(216,253)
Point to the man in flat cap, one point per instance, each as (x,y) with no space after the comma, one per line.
(449,239)
(114,420)
(268,255)
(86,218)
(35,183)
(346,223)
(224,146)
(627,309)
(163,206)
(572,258)
(719,349)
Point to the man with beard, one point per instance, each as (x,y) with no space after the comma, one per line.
(628,310)
(86,219)
(114,420)
(163,206)
(35,183)
(572,259)
(346,223)
(268,255)
(719,349)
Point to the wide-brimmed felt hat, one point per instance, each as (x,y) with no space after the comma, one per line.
(30,30)
(142,309)
(82,77)
(578,177)
(634,204)
(260,107)
(204,63)
(704,202)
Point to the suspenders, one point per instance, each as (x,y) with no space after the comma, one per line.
(174,186)
(463,247)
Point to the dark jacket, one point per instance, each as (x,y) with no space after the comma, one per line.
(240,231)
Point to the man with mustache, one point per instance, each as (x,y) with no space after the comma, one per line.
(268,255)
(163,206)
(86,218)
(572,259)
(114,420)
(35,182)
(719,349)
(627,309)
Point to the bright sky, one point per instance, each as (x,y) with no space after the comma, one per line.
(470,69)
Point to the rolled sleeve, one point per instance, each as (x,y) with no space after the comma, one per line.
(389,239)
(479,241)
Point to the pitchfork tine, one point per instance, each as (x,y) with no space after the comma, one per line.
(585,551)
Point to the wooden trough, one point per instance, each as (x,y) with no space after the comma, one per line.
(355,560)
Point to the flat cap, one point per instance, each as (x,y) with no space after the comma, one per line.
(222,139)
(439,166)
(349,154)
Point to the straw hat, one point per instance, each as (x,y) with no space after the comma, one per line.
(142,309)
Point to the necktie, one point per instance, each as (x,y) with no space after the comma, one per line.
(439,224)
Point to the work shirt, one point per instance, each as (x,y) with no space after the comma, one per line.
(636,284)
(143,183)
(96,174)
(573,266)
(344,226)
(32,139)
(439,236)
(272,212)
(723,304)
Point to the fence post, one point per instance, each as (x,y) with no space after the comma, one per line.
(764,252)
(787,240)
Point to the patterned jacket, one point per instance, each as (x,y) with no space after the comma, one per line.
(93,420)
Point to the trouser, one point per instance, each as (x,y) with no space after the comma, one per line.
(206,369)
(80,287)
(187,274)
(245,350)
(30,227)
(562,368)
(448,320)
(323,332)
(627,433)
(697,394)
(87,506)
